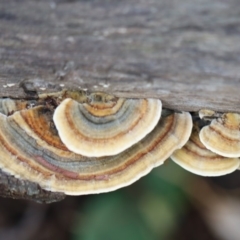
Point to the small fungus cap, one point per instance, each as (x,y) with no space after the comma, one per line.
(105,125)
(222,136)
(8,106)
(196,158)
(203,113)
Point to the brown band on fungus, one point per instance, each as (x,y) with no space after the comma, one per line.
(102,104)
(105,135)
(196,158)
(39,121)
(103,109)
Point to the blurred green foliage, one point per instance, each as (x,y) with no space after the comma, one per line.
(150,209)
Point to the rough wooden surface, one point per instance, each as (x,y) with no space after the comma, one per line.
(185,52)
(11,187)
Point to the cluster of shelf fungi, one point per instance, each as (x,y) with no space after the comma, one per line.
(77,143)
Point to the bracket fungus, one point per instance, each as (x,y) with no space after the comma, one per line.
(31,149)
(222,136)
(105,125)
(196,158)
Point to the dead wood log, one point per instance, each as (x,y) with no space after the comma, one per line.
(187,53)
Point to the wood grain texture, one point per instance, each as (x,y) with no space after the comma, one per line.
(185,52)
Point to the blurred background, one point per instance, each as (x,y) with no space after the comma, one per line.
(169,203)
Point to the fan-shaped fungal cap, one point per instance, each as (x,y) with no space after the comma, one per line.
(196,158)
(27,153)
(106,125)
(222,136)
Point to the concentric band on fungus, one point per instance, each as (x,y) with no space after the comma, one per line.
(105,128)
(196,158)
(29,152)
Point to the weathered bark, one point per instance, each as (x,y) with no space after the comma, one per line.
(187,53)
(19,189)
(184,52)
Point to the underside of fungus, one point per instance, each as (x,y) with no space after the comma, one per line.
(105,125)
(222,136)
(196,158)
(31,149)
